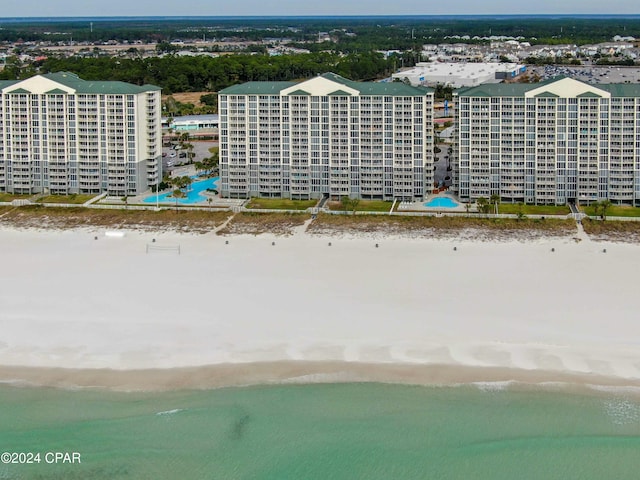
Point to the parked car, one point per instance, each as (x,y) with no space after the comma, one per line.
(173,154)
(183,155)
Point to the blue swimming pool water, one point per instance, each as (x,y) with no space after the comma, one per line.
(441,202)
(194,195)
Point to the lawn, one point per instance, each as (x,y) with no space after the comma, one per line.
(614,211)
(73,198)
(280,204)
(8,197)
(364,206)
(514,208)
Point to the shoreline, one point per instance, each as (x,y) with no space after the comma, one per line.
(307,373)
(269,309)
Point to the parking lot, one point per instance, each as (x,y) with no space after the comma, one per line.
(589,73)
(173,159)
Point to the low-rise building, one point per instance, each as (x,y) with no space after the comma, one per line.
(459,75)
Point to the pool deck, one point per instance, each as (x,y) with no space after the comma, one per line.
(420,207)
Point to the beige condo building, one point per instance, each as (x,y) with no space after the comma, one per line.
(552,142)
(326,136)
(61,134)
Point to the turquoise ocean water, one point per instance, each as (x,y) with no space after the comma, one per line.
(327,431)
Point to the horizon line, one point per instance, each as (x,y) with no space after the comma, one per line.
(440,15)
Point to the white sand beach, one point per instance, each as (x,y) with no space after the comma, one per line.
(69,301)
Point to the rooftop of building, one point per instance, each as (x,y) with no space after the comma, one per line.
(80,86)
(520,89)
(209,117)
(462,69)
(363,88)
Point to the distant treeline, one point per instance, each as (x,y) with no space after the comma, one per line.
(348,34)
(202,73)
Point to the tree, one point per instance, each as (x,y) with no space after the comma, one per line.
(349,203)
(495,200)
(125,200)
(483,205)
(177,194)
(190,153)
(604,206)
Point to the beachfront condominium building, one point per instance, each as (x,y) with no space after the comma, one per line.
(553,142)
(62,135)
(327,136)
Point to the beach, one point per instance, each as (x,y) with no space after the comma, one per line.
(132,311)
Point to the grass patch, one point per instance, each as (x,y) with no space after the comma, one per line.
(614,211)
(281,204)
(73,198)
(8,197)
(365,206)
(534,209)
(446,226)
(63,218)
(256,223)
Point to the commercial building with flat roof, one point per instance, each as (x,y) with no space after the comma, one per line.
(457,75)
(552,142)
(63,135)
(327,136)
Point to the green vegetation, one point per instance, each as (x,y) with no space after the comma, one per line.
(612,211)
(364,206)
(280,204)
(209,165)
(514,208)
(346,34)
(196,74)
(73,198)
(8,197)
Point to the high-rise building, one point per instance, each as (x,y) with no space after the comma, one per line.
(61,134)
(552,142)
(327,136)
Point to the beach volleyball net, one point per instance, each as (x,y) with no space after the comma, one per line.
(155,248)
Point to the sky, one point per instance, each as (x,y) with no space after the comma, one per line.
(106,8)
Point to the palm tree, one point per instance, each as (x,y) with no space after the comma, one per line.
(495,200)
(604,206)
(190,151)
(177,194)
(483,205)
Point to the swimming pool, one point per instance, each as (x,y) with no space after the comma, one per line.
(441,202)
(194,195)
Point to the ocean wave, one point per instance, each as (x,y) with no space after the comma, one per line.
(622,411)
(497,386)
(170,412)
